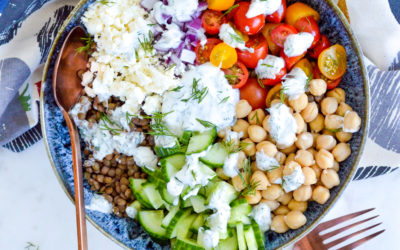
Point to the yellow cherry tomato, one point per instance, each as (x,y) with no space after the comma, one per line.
(332,62)
(273,94)
(223,56)
(220,4)
(306,66)
(298,10)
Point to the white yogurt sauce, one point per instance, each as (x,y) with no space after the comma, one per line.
(144,157)
(174,187)
(165,141)
(170,38)
(265,162)
(270,66)
(152,104)
(297,44)
(262,215)
(294,83)
(100,204)
(131,211)
(293,181)
(231,165)
(232,38)
(207,238)
(262,7)
(283,125)
(179,10)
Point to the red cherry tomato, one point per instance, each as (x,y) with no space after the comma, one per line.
(280,33)
(260,46)
(249,26)
(266,31)
(291,61)
(331,84)
(254,93)
(278,15)
(203,53)
(321,45)
(237,75)
(278,78)
(211,21)
(308,24)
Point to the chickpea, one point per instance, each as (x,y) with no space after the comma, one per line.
(243,108)
(241,126)
(333,122)
(222,132)
(250,148)
(317,124)
(256,117)
(328,132)
(303,193)
(343,108)
(257,133)
(310,112)
(304,140)
(341,152)
(271,203)
(282,210)
(253,198)
(238,184)
(290,168)
(280,157)
(290,158)
(275,175)
(321,194)
(317,170)
(289,150)
(273,192)
(299,103)
(295,219)
(304,158)
(336,166)
(310,177)
(352,122)
(267,147)
(337,93)
(330,178)
(241,158)
(260,178)
(324,159)
(285,198)
(298,205)
(317,87)
(301,125)
(220,173)
(278,224)
(265,123)
(329,105)
(276,101)
(327,142)
(312,151)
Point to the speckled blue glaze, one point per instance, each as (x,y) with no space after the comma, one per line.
(128,232)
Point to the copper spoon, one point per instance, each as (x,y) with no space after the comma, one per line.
(67,89)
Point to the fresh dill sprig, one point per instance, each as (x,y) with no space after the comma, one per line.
(31,246)
(267,65)
(282,94)
(157,127)
(309,78)
(229,10)
(224,100)
(333,130)
(109,125)
(88,45)
(260,83)
(151,24)
(106,2)
(250,186)
(236,38)
(273,168)
(171,67)
(197,94)
(282,183)
(206,124)
(231,77)
(232,146)
(137,55)
(177,89)
(147,43)
(256,116)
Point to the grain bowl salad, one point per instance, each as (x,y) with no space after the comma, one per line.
(211,122)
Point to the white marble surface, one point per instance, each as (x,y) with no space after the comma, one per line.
(34,208)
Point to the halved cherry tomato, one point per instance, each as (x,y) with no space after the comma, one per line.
(254,94)
(331,84)
(322,44)
(280,33)
(266,31)
(203,53)
(273,93)
(298,10)
(308,24)
(211,21)
(237,75)
(260,46)
(278,15)
(220,4)
(291,61)
(306,66)
(332,62)
(223,56)
(249,26)
(278,78)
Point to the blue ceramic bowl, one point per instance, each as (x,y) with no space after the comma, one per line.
(129,233)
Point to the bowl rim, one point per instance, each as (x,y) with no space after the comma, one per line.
(364,134)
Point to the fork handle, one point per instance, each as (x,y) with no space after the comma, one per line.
(303,244)
(78,183)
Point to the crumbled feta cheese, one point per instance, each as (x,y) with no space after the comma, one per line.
(262,215)
(207,238)
(283,125)
(230,168)
(269,67)
(295,83)
(152,104)
(232,38)
(100,204)
(293,181)
(144,157)
(297,44)
(262,7)
(265,162)
(170,38)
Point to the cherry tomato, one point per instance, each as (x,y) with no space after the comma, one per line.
(203,53)
(211,21)
(332,62)
(291,61)
(298,10)
(331,84)
(322,44)
(308,24)
(254,93)
(249,26)
(266,31)
(260,46)
(223,55)
(306,66)
(237,75)
(220,4)
(278,78)
(273,93)
(278,15)
(280,33)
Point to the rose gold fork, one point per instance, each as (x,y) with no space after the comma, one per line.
(314,240)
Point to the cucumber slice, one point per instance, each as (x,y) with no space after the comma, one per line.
(167,219)
(206,170)
(187,244)
(151,223)
(239,212)
(136,204)
(200,141)
(197,223)
(184,140)
(186,203)
(137,190)
(240,237)
(164,152)
(259,236)
(171,165)
(150,191)
(223,191)
(216,156)
(230,243)
(167,197)
(183,228)
(171,229)
(250,238)
(198,203)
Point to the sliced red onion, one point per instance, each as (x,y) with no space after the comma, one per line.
(188,56)
(148,4)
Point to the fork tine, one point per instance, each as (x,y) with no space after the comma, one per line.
(337,231)
(340,240)
(336,221)
(361,241)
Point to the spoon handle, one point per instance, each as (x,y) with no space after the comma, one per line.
(78,183)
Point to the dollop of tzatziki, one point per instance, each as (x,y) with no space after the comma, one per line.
(262,215)
(283,125)
(294,83)
(269,67)
(297,44)
(294,180)
(262,7)
(232,38)
(266,162)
